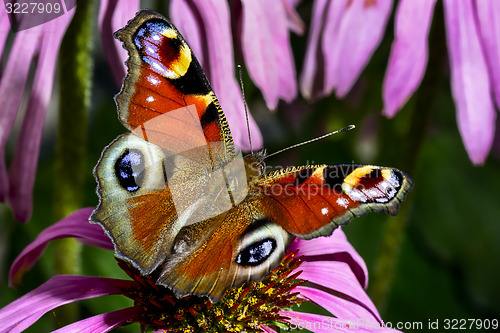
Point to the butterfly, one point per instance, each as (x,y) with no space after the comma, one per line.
(178,198)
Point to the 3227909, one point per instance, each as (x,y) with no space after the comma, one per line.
(469,324)
(33,7)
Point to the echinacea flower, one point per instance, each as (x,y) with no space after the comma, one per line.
(335,273)
(342,38)
(473,39)
(345,33)
(38,45)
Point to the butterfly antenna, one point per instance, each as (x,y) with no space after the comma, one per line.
(345,129)
(246,107)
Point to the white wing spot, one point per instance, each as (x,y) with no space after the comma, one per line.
(150,99)
(153,80)
(324,211)
(343,202)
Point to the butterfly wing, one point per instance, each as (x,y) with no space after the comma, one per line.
(152,181)
(166,98)
(135,208)
(312,201)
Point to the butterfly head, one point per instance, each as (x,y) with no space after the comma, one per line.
(255,165)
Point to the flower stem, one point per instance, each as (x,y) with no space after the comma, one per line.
(75,61)
(394,233)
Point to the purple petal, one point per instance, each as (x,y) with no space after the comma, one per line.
(75,225)
(335,247)
(11,91)
(349,40)
(318,323)
(219,66)
(266,48)
(338,277)
(337,306)
(488,13)
(186,20)
(113,15)
(469,80)
(4,31)
(295,23)
(104,322)
(267,329)
(312,77)
(23,167)
(57,291)
(409,53)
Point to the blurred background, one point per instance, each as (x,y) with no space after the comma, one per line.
(438,259)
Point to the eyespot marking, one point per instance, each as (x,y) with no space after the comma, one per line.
(129,169)
(256,253)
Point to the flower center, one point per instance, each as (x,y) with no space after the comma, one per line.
(242,309)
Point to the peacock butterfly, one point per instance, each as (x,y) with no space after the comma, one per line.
(178,198)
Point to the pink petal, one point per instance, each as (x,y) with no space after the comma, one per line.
(409,53)
(337,306)
(338,277)
(488,13)
(76,225)
(219,66)
(312,77)
(104,322)
(23,167)
(257,47)
(318,323)
(267,51)
(295,23)
(349,40)
(69,4)
(267,329)
(287,88)
(186,20)
(11,91)
(57,291)
(335,247)
(469,80)
(4,30)
(114,15)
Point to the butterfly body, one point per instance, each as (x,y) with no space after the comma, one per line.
(178,198)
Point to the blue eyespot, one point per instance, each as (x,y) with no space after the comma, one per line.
(256,253)
(129,169)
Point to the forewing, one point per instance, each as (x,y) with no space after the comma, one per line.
(166,98)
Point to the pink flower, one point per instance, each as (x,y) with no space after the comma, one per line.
(345,33)
(336,274)
(342,38)
(473,42)
(40,45)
